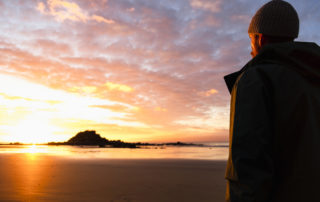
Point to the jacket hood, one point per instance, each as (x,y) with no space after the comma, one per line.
(303,57)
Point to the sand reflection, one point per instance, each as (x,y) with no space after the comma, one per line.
(34,149)
(29,174)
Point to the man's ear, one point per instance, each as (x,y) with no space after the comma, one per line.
(262,40)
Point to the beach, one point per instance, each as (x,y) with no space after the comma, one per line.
(41,177)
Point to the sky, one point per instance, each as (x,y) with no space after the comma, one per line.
(135,70)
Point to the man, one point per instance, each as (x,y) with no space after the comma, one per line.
(275,113)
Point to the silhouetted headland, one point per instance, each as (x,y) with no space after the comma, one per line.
(91,138)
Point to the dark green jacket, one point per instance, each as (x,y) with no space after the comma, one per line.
(275,126)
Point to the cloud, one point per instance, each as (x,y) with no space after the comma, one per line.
(101,19)
(159,109)
(51,47)
(209,92)
(132,9)
(116,108)
(213,6)
(243,18)
(65,10)
(85,89)
(14,97)
(41,7)
(118,87)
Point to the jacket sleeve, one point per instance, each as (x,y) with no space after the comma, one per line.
(252,133)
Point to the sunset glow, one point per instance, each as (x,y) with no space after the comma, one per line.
(32,130)
(149,71)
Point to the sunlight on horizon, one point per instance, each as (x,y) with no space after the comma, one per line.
(33,130)
(33,152)
(33,114)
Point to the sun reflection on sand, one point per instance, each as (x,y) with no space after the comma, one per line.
(28,175)
(32,151)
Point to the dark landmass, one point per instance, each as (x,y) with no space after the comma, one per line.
(15,143)
(91,138)
(170,144)
(183,144)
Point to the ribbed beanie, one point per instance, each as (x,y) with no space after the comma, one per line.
(276,18)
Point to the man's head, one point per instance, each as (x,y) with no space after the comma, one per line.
(275,22)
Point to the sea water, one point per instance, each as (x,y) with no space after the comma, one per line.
(210,151)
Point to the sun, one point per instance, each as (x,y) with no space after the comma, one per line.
(32,130)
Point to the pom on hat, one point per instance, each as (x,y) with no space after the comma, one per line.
(276,18)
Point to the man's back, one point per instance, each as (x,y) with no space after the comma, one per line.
(276,126)
(296,120)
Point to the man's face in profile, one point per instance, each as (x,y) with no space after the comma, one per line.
(255,44)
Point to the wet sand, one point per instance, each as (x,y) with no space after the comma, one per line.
(37,177)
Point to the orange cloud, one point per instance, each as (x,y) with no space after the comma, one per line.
(101,19)
(118,87)
(65,10)
(41,7)
(85,89)
(209,92)
(116,108)
(11,98)
(159,109)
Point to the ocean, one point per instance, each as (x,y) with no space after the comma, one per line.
(211,151)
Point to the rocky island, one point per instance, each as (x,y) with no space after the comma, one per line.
(91,138)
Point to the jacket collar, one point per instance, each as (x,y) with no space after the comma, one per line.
(230,79)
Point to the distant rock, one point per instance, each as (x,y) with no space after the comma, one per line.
(183,144)
(88,137)
(171,144)
(91,138)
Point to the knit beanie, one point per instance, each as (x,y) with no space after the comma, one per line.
(276,18)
